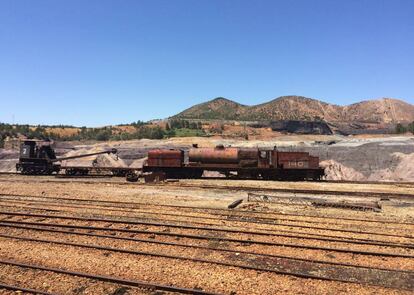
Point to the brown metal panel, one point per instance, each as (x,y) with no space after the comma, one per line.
(213,165)
(292,156)
(165,158)
(274,155)
(165,154)
(248,163)
(248,154)
(294,164)
(313,162)
(164,162)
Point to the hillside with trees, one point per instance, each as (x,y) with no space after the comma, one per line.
(135,130)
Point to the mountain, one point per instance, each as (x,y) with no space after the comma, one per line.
(218,108)
(380,111)
(385,110)
(293,108)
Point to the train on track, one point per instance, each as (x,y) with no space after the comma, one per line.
(244,163)
(39,158)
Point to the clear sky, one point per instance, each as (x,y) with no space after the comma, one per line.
(107,62)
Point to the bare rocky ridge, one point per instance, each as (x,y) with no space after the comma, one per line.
(385,110)
(380,111)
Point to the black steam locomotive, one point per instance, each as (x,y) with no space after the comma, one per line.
(39,158)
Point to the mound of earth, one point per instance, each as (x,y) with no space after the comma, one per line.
(103,160)
(403,170)
(338,171)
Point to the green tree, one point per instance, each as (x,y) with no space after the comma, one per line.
(411,127)
(400,128)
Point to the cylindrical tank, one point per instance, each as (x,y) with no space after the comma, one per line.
(218,155)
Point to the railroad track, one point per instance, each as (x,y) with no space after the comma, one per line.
(152,241)
(245,236)
(263,231)
(282,265)
(241,215)
(103,278)
(382,195)
(21,289)
(368,253)
(410,183)
(302,236)
(235,246)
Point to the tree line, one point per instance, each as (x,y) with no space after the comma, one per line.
(141,130)
(400,128)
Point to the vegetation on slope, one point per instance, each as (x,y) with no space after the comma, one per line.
(136,130)
(217,109)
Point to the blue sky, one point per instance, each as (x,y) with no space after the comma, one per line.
(107,62)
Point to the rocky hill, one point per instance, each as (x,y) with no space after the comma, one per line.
(385,110)
(218,108)
(380,111)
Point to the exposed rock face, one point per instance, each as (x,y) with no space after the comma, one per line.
(381,111)
(388,159)
(301,127)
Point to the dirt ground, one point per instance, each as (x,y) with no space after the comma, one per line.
(181,234)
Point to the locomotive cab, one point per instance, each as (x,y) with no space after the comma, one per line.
(27,149)
(35,158)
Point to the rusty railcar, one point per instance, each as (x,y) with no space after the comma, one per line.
(248,163)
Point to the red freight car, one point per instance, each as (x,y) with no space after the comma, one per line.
(250,163)
(165,158)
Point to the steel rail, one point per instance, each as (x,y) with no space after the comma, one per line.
(28,206)
(241,188)
(213,209)
(189,226)
(43,209)
(291,234)
(151,241)
(296,191)
(317,181)
(221,178)
(196,260)
(230,217)
(261,221)
(203,237)
(21,289)
(110,279)
(91,176)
